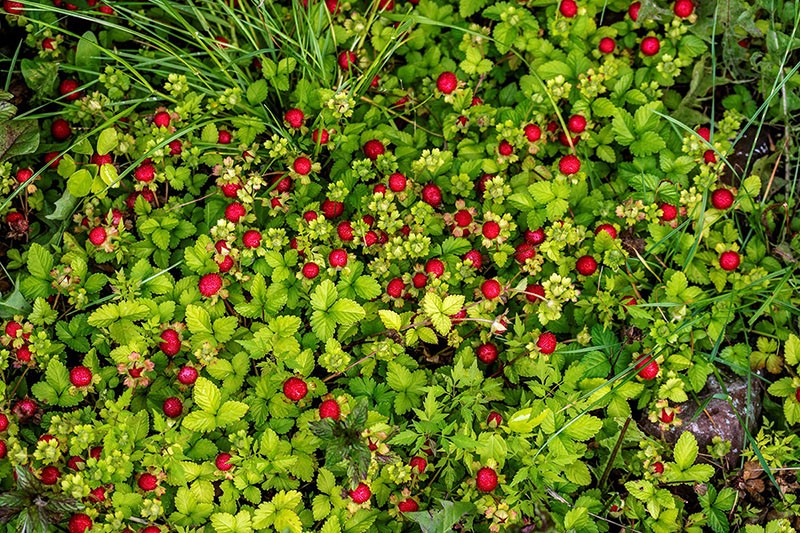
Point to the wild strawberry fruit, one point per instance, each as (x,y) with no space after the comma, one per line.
(397,182)
(568,8)
(435,266)
(310,270)
(491,229)
(74,462)
(222,462)
(3,422)
(576,124)
(24,174)
(486,480)
(608,228)
(586,265)
(475,257)
(295,118)
(13,8)
(235,212)
(49,475)
(147,482)
(48,43)
(459,317)
(345,230)
(95,451)
(224,137)
(60,129)
(3,449)
(80,376)
(302,165)
(494,419)
(161,119)
(729,260)
(533,132)
(308,216)
(432,195)
(647,368)
(346,59)
(569,165)
(226,264)
(709,157)
(337,258)
(796,396)
(447,82)
(373,148)
(251,239)
(144,173)
(395,288)
(524,252)
(23,354)
(666,416)
(607,45)
(505,149)
(210,284)
(419,463)
(175,147)
(97,495)
(705,133)
(669,212)
(491,289)
(535,237)
(361,493)
(650,46)
(487,353)
(408,506)
(69,90)
(295,389)
(101,160)
(321,136)
(722,199)
(633,11)
(25,409)
(330,409)
(379,188)
(12,328)
(419,280)
(547,343)
(332,209)
(170,342)
(462,218)
(149,529)
(658,467)
(80,523)
(173,407)
(534,293)
(684,8)
(97,236)
(187,375)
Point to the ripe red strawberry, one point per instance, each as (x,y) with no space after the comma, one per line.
(533,132)
(302,165)
(173,407)
(25,409)
(69,90)
(494,419)
(535,237)
(505,149)
(48,43)
(295,389)
(666,416)
(419,463)
(337,258)
(491,229)
(346,59)
(284,184)
(491,289)
(534,293)
(487,353)
(310,270)
(397,182)
(144,173)
(576,124)
(435,266)
(569,165)
(475,257)
(607,45)
(80,523)
(705,133)
(13,8)
(709,157)
(447,82)
(480,184)
(345,231)
(459,317)
(234,212)
(97,236)
(332,209)
(23,175)
(463,218)
(95,452)
(101,160)
(161,119)
(684,8)
(722,199)
(729,260)
(633,11)
(226,264)
(647,367)
(797,395)
(395,288)
(23,354)
(308,216)
(669,212)
(608,228)
(149,529)
(60,129)
(97,495)
(379,188)
(12,328)
(320,135)
(586,265)
(432,195)
(251,239)
(49,475)
(222,462)
(419,280)
(547,343)
(147,482)
(658,467)
(295,118)
(568,8)
(74,462)
(224,137)
(650,46)
(3,422)
(330,409)
(175,147)
(80,376)
(210,284)
(486,480)
(3,449)
(361,493)
(187,375)
(171,342)
(373,148)
(523,252)
(408,506)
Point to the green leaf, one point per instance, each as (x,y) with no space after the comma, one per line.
(390,319)
(524,421)
(198,320)
(107,141)
(40,261)
(87,54)
(206,395)
(200,421)
(367,288)
(541,192)
(231,412)
(18,137)
(791,350)
(583,428)
(257,92)
(686,450)
(80,183)
(346,312)
(228,523)
(324,296)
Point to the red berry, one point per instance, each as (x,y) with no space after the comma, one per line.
(373,148)
(49,475)
(547,343)
(533,132)
(633,11)
(665,416)
(586,265)
(101,160)
(397,182)
(705,133)
(80,523)
(332,209)
(284,185)
(337,258)
(13,8)
(48,43)
(346,59)
(187,375)
(295,118)
(608,228)
(607,45)
(669,212)
(647,368)
(650,46)
(435,266)
(729,260)
(295,389)
(475,257)
(408,506)
(447,82)
(302,165)
(395,288)
(320,135)
(491,289)
(486,480)
(308,216)
(494,418)
(75,462)
(487,353)
(234,212)
(25,409)
(173,407)
(463,218)
(97,236)
(210,284)
(147,482)
(419,463)
(12,328)
(568,8)
(145,173)
(361,493)
(80,376)
(222,462)
(524,252)
(226,264)
(170,342)
(797,395)
(310,270)
(330,409)
(3,449)
(432,195)
(69,90)
(658,467)
(576,124)
(224,137)
(161,119)
(98,494)
(722,199)
(535,237)
(251,239)
(3,422)
(569,165)
(505,149)
(684,8)
(491,229)
(419,280)
(23,175)
(60,129)
(345,231)
(534,293)
(148,529)
(709,157)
